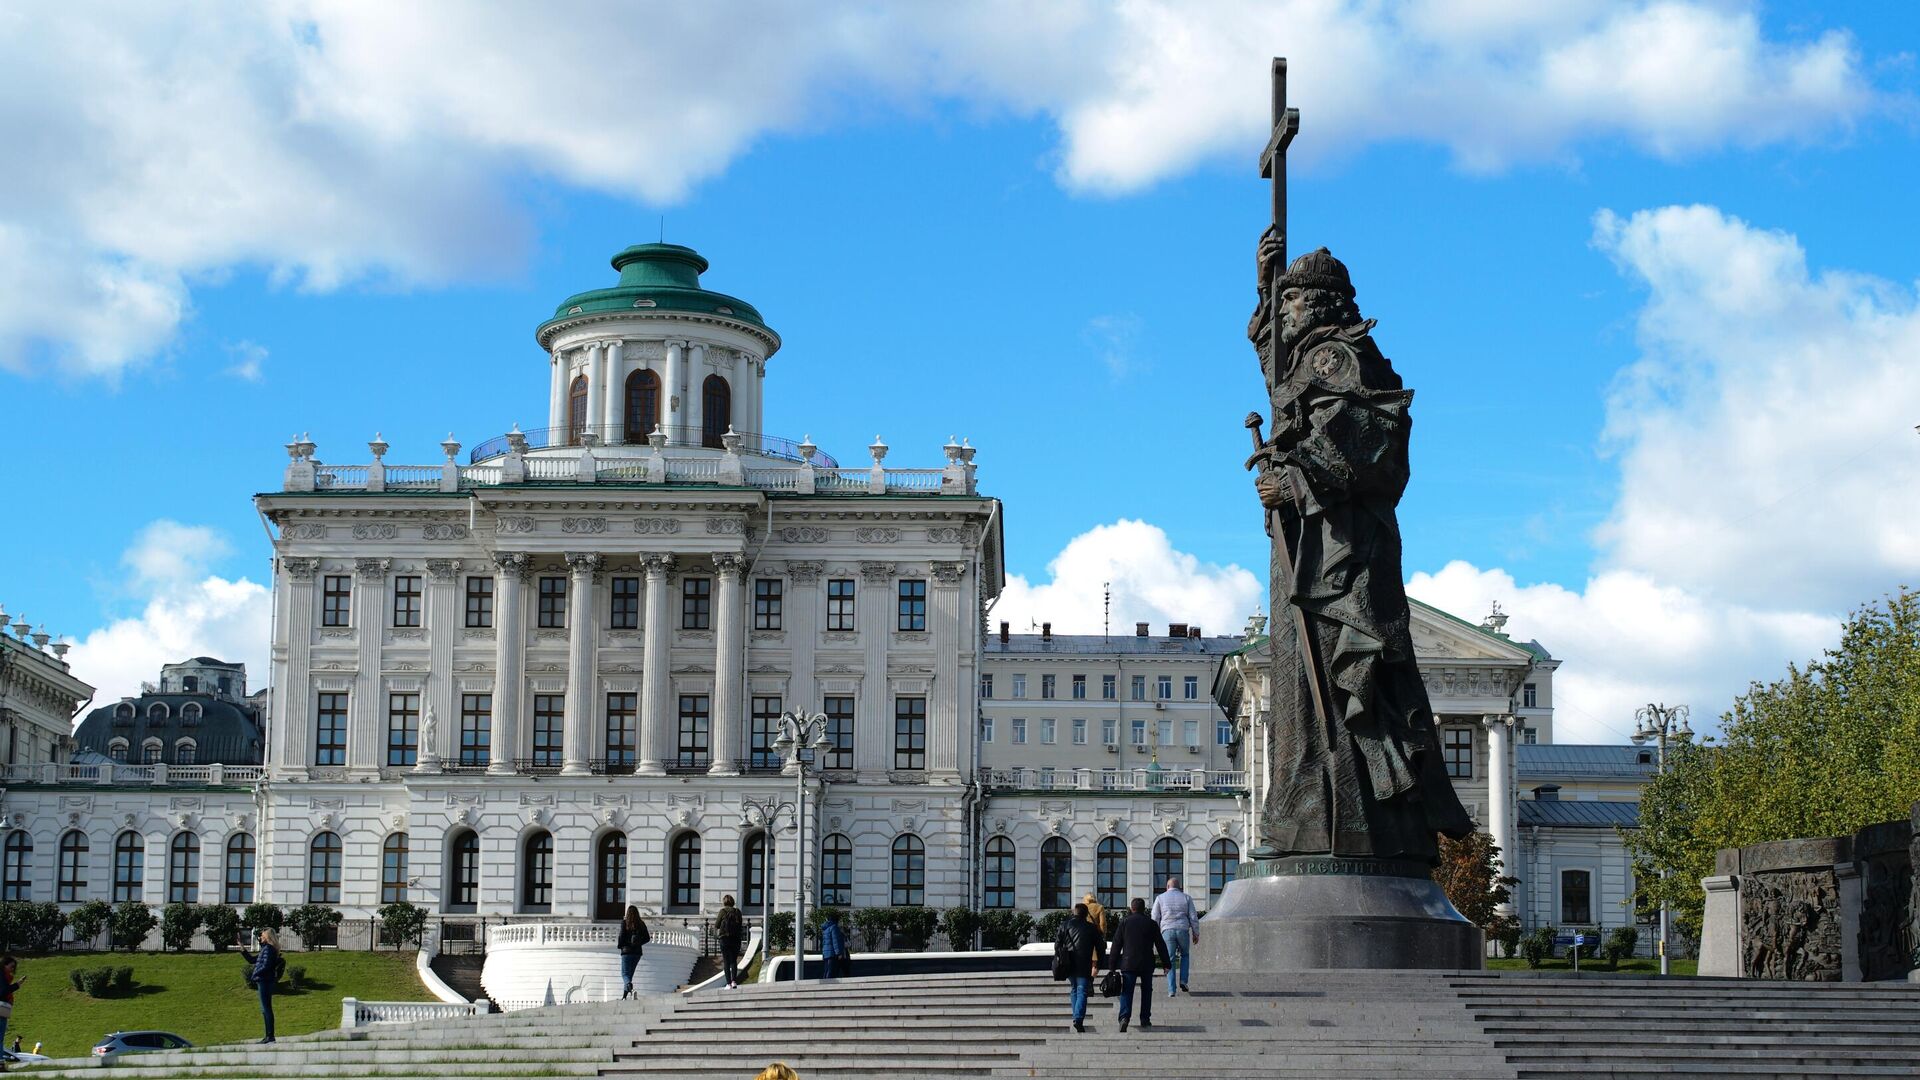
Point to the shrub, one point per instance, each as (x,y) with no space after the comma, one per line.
(1506,931)
(873,924)
(311,922)
(13,918)
(89,919)
(780,932)
(402,923)
(78,978)
(1005,928)
(296,976)
(263,917)
(1049,925)
(817,918)
(1537,946)
(178,923)
(222,925)
(41,926)
(97,981)
(123,980)
(132,921)
(959,924)
(913,926)
(1620,945)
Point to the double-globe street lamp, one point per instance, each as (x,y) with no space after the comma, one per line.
(1657,724)
(800,731)
(765,814)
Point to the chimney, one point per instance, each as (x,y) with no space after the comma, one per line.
(1177,629)
(1139,629)
(1193,632)
(1046,631)
(1547,793)
(1005,627)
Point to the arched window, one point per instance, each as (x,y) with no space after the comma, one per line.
(186,752)
(323,869)
(643,405)
(393,869)
(239,869)
(18,862)
(610,876)
(150,751)
(1056,874)
(190,713)
(123,712)
(183,869)
(716,411)
(576,410)
(463,872)
(683,873)
(1167,859)
(1110,873)
(129,866)
(536,873)
(1223,862)
(73,868)
(753,872)
(999,873)
(117,749)
(909,871)
(158,712)
(836,871)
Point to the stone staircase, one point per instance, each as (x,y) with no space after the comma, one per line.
(1319,1025)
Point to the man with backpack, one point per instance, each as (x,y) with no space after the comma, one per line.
(264,976)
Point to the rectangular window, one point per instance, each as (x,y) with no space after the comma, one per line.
(1139,733)
(553,603)
(1019,727)
(692,747)
(239,869)
(1164,729)
(1109,730)
(1576,897)
(1046,688)
(986,729)
(1222,732)
(1456,749)
(1080,731)
(625,612)
(1164,684)
(403,729)
(762,733)
(1190,689)
(406,600)
(1139,688)
(986,685)
(1048,728)
(549,730)
(696,603)
(1190,732)
(1107,691)
(768,596)
(839,712)
(623,729)
(913,605)
(840,604)
(1529,696)
(1529,736)
(1079,688)
(336,593)
(909,733)
(330,730)
(476,729)
(1019,686)
(479,602)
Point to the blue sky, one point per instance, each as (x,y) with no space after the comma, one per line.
(1602,270)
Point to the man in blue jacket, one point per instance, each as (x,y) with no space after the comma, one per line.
(833,947)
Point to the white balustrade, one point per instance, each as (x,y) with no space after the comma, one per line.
(774,479)
(117,773)
(543,963)
(420,477)
(697,470)
(355,1013)
(1147,779)
(544,467)
(485,475)
(339,476)
(913,479)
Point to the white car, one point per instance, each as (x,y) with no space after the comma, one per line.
(137,1042)
(21,1057)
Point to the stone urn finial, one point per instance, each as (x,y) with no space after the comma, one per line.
(807,449)
(952,450)
(589,439)
(450,446)
(657,438)
(879,450)
(4,617)
(40,640)
(60,650)
(516,441)
(730,440)
(306,446)
(378,447)
(966,451)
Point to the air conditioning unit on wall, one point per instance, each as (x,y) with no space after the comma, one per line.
(1113,748)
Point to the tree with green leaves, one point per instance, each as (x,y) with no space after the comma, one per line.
(1830,748)
(1470,874)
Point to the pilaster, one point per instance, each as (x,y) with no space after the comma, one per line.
(615,378)
(366,729)
(583,638)
(802,618)
(656,699)
(946,725)
(874,608)
(292,727)
(513,568)
(443,627)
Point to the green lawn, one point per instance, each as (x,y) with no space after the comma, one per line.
(202,996)
(1638,966)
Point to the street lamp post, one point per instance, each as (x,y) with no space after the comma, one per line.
(798,732)
(1657,724)
(758,814)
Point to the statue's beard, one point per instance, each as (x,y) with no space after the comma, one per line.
(1315,317)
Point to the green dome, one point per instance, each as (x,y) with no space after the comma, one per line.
(655,277)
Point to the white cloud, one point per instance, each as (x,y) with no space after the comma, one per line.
(1151,582)
(1113,338)
(185,612)
(332,142)
(247,358)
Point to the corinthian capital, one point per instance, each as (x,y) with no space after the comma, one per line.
(731,564)
(514,564)
(371,570)
(300,569)
(584,562)
(658,563)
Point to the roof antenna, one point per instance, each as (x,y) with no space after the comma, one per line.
(663,228)
(1106,609)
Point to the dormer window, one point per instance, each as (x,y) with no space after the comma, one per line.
(158,712)
(117,750)
(186,752)
(190,684)
(123,713)
(190,713)
(150,751)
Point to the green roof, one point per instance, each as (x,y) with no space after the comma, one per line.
(656,277)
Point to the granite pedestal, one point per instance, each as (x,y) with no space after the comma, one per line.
(1306,913)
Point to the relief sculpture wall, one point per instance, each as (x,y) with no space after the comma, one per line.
(1790,925)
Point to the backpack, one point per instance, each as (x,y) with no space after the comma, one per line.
(279,969)
(1063,955)
(645,935)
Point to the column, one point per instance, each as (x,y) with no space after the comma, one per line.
(670,415)
(443,627)
(874,609)
(949,693)
(616,380)
(695,400)
(1500,788)
(803,634)
(596,384)
(583,638)
(509,657)
(729,662)
(557,392)
(292,688)
(741,379)
(366,720)
(656,700)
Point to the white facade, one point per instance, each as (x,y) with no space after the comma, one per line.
(39,696)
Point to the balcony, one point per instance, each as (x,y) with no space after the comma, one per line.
(116,773)
(1187,781)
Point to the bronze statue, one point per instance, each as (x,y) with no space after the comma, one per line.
(1354,756)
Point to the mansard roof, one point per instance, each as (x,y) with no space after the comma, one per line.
(1579,814)
(227,732)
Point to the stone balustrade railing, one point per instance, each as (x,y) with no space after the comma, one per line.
(355,1013)
(159,774)
(734,465)
(537,934)
(1099,780)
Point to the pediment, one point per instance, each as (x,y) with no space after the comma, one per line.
(1438,637)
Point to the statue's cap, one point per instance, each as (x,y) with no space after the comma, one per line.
(1318,269)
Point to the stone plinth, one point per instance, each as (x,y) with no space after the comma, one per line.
(1305,913)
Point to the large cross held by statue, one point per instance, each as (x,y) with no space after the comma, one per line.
(1273,161)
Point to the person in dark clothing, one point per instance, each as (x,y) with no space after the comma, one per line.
(731,929)
(7,987)
(1136,941)
(1079,943)
(633,936)
(263,975)
(833,947)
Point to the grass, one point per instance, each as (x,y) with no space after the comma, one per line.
(1641,965)
(201,996)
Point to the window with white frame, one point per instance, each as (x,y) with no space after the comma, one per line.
(1223,732)
(1079,731)
(1190,688)
(1190,732)
(1109,730)
(1019,686)
(1079,688)
(1139,733)
(986,729)
(1019,731)
(1163,685)
(1048,726)
(1046,687)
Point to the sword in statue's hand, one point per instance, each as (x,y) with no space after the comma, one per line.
(1267,459)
